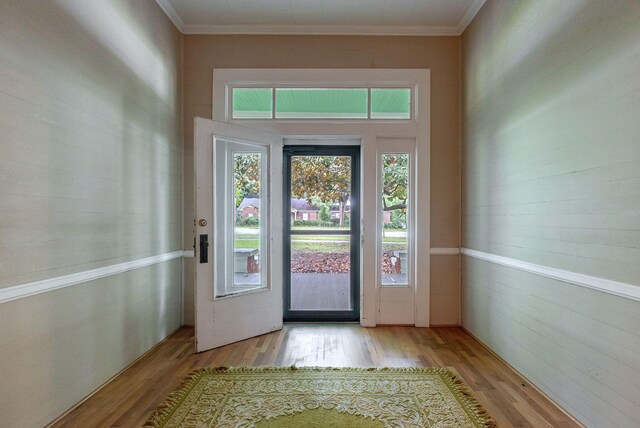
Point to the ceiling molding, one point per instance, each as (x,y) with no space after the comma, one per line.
(336,30)
(171,14)
(469,15)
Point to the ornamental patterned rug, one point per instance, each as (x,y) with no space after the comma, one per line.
(321,397)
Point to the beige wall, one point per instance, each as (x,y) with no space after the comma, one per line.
(90,176)
(551,155)
(440,54)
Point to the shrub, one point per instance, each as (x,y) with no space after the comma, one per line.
(324,213)
(312,223)
(249,221)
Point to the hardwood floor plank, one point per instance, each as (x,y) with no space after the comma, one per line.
(129,399)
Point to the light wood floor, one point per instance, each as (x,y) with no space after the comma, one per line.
(129,399)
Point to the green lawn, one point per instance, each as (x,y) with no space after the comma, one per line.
(253,238)
(246,243)
(320,247)
(342,238)
(317,246)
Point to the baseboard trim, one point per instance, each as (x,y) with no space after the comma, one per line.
(604,285)
(79,403)
(28,289)
(531,384)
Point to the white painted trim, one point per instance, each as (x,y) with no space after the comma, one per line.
(324,30)
(444,251)
(620,289)
(471,13)
(172,14)
(32,288)
(188,254)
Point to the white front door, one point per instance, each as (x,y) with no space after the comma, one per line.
(238,212)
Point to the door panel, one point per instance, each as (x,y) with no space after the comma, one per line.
(322,236)
(239,284)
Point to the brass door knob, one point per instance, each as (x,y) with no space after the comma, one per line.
(202,222)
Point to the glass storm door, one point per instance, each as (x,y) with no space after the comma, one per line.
(321,233)
(238,175)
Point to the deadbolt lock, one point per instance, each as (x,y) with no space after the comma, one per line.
(202,222)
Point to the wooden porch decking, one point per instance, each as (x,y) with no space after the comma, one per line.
(327,291)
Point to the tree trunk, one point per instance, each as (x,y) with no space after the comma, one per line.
(341,205)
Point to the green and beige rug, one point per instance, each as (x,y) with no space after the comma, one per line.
(321,397)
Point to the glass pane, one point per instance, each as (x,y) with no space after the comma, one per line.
(252,103)
(320,192)
(246,231)
(321,103)
(392,103)
(240,240)
(395,192)
(320,272)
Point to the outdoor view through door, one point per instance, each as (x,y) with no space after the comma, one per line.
(321,233)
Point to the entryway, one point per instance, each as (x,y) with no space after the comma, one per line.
(374,270)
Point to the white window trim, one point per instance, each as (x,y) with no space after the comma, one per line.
(224,279)
(368,132)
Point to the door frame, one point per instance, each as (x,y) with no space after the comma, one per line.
(369,132)
(354,280)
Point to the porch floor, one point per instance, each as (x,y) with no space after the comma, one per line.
(321,291)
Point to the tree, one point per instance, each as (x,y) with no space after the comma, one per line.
(246,174)
(326,177)
(324,213)
(395,182)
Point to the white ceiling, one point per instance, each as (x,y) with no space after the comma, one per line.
(370,17)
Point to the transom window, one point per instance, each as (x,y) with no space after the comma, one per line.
(321,103)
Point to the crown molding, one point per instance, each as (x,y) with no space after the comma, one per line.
(171,14)
(311,30)
(332,30)
(469,15)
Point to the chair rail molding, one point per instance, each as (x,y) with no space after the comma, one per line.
(20,291)
(617,288)
(444,251)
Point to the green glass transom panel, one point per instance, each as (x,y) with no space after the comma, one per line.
(252,103)
(321,103)
(391,103)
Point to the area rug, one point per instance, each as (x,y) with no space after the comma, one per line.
(321,397)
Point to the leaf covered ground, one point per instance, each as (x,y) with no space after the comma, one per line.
(338,262)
